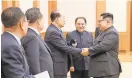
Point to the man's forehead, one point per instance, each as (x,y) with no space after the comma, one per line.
(80,20)
(101,18)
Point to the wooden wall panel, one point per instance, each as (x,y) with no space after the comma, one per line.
(52,5)
(123,41)
(127,40)
(131,26)
(5,4)
(100,8)
(36,3)
(16,3)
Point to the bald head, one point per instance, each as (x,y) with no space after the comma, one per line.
(54,14)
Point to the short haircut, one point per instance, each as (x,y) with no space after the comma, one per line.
(54,14)
(11,16)
(80,18)
(107,15)
(33,14)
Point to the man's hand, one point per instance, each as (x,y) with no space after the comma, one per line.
(72,69)
(85,52)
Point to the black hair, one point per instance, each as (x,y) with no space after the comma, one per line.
(54,15)
(80,18)
(33,14)
(11,16)
(107,15)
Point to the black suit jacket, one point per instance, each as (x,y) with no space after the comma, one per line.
(84,40)
(104,54)
(37,53)
(13,61)
(59,48)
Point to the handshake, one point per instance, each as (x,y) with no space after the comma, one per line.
(85,51)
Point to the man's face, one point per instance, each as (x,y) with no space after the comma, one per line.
(41,24)
(80,25)
(61,21)
(102,23)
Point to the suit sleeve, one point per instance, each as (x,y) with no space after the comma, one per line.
(56,40)
(71,61)
(12,63)
(109,40)
(32,53)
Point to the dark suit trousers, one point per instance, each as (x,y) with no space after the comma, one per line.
(111,76)
(59,76)
(79,74)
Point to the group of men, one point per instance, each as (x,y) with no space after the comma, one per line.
(24,53)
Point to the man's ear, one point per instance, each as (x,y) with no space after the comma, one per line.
(38,22)
(21,25)
(56,20)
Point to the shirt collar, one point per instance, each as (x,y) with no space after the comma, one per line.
(17,38)
(80,32)
(57,27)
(34,30)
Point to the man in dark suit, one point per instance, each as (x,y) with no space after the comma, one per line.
(37,51)
(13,60)
(104,62)
(58,45)
(84,39)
